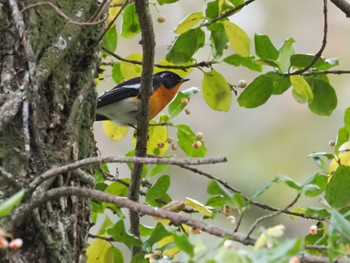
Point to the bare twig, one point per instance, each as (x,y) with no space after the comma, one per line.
(272,215)
(203,64)
(324,42)
(62,14)
(229,12)
(21,213)
(148,47)
(114,159)
(343,5)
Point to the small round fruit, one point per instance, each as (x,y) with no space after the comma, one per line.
(161,18)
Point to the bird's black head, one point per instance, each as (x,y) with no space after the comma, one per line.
(169,79)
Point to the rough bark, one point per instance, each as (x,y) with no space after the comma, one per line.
(47,104)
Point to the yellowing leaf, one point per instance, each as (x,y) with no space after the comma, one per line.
(275,231)
(189,22)
(302,88)
(113,10)
(130,70)
(114,131)
(99,251)
(158,140)
(199,207)
(170,252)
(216,91)
(238,39)
(225,5)
(343,158)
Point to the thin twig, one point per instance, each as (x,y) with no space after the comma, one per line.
(228,13)
(114,159)
(62,14)
(272,215)
(343,5)
(22,212)
(148,52)
(323,46)
(203,64)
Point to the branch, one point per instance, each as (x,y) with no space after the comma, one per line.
(62,14)
(146,89)
(115,159)
(229,12)
(343,6)
(23,211)
(272,215)
(324,42)
(203,64)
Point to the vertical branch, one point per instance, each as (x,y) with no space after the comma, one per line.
(148,44)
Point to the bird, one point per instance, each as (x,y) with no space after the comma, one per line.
(120,104)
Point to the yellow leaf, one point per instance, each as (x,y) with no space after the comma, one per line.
(343,158)
(99,251)
(158,140)
(275,231)
(114,131)
(190,21)
(238,39)
(302,88)
(170,252)
(130,70)
(113,10)
(199,207)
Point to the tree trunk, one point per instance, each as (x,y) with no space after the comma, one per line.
(47,104)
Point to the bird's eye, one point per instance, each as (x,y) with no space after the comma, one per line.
(171,76)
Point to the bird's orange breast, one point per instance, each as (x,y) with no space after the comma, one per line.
(160,98)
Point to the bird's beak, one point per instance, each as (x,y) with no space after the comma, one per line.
(184,80)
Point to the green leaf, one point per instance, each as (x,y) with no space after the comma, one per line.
(347,119)
(117,75)
(117,188)
(163,2)
(212,10)
(181,240)
(342,137)
(301,88)
(316,211)
(248,62)
(177,105)
(186,45)
(216,201)
(224,6)
(280,83)
(238,39)
(119,234)
(288,181)
(157,169)
(304,60)
(190,21)
(340,224)
(264,47)
(286,51)
(337,190)
(315,185)
(235,200)
(325,99)
(186,137)
(262,189)
(139,258)
(7,205)
(191,91)
(158,234)
(110,39)
(158,189)
(131,24)
(216,91)
(257,92)
(218,39)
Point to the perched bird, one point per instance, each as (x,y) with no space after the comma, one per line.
(120,104)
